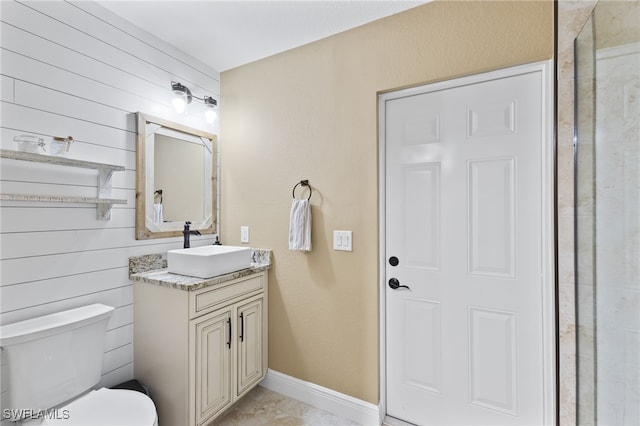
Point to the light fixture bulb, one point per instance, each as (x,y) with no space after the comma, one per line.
(181,97)
(179,103)
(210,113)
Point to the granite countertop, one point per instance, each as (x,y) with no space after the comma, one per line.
(152,269)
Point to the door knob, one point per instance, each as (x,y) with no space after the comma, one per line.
(395,284)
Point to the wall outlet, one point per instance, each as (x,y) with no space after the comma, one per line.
(342,240)
(244,234)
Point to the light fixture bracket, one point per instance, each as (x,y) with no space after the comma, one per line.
(210,102)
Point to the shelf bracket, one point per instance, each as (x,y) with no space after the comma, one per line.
(103,211)
(104,182)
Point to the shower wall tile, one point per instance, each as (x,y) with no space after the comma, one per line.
(571,18)
(565,173)
(565,255)
(567,324)
(618,23)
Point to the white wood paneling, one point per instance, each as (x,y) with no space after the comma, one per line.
(25,244)
(55,55)
(50,100)
(54,77)
(30,217)
(135,48)
(116,297)
(119,375)
(6,88)
(23,119)
(118,337)
(76,69)
(117,357)
(147,38)
(40,292)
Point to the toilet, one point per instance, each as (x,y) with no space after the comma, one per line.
(53,363)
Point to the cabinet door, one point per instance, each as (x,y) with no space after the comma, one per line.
(250,344)
(213,343)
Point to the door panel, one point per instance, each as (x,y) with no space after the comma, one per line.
(491,215)
(464,217)
(422,366)
(213,364)
(250,347)
(421,183)
(493,359)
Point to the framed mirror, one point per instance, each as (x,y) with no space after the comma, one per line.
(176,179)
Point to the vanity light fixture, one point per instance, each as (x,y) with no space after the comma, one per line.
(211,104)
(183,96)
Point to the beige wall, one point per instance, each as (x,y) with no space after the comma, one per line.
(311,113)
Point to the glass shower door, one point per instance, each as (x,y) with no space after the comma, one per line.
(607,215)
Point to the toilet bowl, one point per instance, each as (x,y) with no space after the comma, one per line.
(54,361)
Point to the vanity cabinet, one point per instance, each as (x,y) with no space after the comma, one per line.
(215,343)
(199,351)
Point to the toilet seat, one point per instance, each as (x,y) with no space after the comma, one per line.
(110,407)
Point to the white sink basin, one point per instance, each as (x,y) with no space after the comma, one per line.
(208,261)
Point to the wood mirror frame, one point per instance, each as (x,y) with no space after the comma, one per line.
(148,128)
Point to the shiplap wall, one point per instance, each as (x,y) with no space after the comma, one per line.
(74,68)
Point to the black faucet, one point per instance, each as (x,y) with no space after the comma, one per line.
(188,232)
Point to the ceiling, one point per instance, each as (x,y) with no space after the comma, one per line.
(225,34)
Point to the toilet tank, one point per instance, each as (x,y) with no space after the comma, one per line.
(53,358)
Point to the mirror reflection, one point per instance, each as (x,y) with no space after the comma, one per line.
(176,176)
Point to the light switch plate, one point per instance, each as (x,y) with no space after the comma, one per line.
(342,240)
(244,234)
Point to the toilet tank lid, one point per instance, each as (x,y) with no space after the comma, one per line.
(47,325)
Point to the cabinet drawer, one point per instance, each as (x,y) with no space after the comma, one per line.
(208,298)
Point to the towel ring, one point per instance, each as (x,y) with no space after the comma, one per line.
(303,183)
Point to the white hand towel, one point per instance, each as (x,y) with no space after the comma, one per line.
(157,213)
(300,226)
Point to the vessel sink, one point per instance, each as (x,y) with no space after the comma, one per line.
(208,261)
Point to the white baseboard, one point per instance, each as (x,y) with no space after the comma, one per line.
(323,398)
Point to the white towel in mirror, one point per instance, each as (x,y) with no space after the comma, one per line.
(157,213)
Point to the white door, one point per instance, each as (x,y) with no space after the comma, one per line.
(465,227)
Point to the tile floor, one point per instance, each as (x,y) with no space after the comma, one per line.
(264,407)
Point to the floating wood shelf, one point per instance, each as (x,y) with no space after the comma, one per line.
(105,172)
